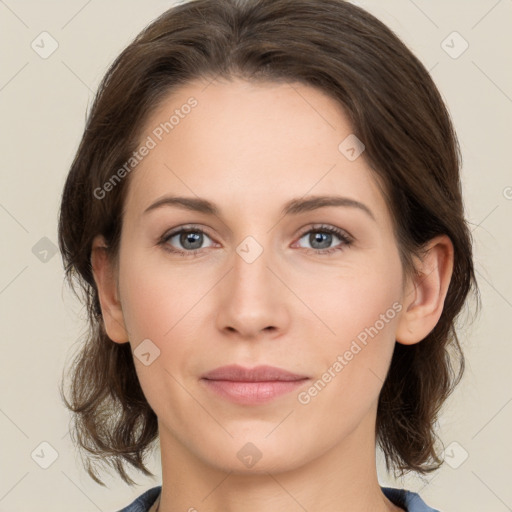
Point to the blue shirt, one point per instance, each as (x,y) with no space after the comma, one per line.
(408,500)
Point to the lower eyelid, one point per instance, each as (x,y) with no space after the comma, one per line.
(340,233)
(166,238)
(345,239)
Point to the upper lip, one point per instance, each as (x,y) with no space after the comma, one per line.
(264,373)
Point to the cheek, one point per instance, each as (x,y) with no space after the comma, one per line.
(156,296)
(371,307)
(353,363)
(149,311)
(361,310)
(161,304)
(363,297)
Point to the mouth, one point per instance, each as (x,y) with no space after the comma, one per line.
(252,386)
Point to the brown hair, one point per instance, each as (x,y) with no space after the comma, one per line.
(395,109)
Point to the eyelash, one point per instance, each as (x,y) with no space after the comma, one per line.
(342,235)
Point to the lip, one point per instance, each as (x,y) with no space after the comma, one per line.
(237,373)
(252,386)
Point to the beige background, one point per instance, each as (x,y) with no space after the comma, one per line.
(43,106)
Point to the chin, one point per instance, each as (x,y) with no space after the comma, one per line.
(244,456)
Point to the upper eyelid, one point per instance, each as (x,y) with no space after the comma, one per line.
(175,231)
(304,231)
(326,227)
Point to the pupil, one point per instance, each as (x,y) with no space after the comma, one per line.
(323,239)
(318,237)
(191,237)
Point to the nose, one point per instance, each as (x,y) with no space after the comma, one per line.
(254,300)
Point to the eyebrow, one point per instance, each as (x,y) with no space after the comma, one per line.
(292,207)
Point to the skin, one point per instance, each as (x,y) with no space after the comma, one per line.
(249,148)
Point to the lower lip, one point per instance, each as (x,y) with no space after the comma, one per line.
(252,393)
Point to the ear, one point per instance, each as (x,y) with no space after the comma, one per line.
(425,293)
(106,283)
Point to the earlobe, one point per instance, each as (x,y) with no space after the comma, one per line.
(104,277)
(426,292)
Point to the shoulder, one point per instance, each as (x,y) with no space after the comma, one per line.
(144,502)
(400,497)
(408,500)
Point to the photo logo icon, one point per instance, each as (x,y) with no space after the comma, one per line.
(351,147)
(146,352)
(44,455)
(44,250)
(249,249)
(454,45)
(44,45)
(249,455)
(455,455)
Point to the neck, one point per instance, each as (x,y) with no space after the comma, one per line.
(342,478)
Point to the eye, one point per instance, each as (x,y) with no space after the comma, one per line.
(321,238)
(189,240)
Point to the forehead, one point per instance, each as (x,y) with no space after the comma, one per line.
(249,144)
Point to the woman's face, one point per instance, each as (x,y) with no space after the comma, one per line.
(270,278)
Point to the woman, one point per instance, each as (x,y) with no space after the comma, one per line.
(265,217)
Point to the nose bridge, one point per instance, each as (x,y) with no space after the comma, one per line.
(250,273)
(253,298)
(252,279)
